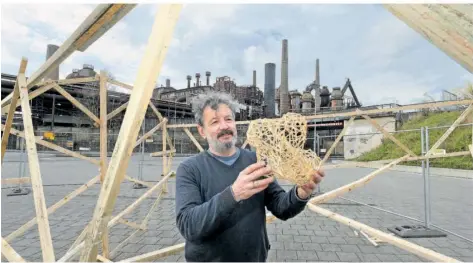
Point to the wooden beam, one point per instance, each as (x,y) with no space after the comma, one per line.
(134,180)
(349,187)
(455,40)
(340,136)
(103,127)
(10,254)
(76,103)
(161,253)
(130,224)
(143,225)
(153,59)
(161,153)
(457,122)
(395,241)
(102,18)
(121,84)
(117,110)
(103,259)
(69,81)
(21,180)
(160,117)
(150,132)
(69,254)
(36,180)
(389,135)
(11,110)
(471,149)
(196,143)
(55,147)
(53,208)
(138,201)
(35,93)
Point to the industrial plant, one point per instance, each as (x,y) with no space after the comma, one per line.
(54,113)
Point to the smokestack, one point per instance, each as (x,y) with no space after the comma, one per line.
(197,76)
(207,74)
(269,88)
(54,74)
(284,88)
(254,78)
(317,72)
(168,83)
(189,77)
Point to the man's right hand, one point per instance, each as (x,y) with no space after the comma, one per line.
(247,183)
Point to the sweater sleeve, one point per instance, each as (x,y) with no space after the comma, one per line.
(284,205)
(195,218)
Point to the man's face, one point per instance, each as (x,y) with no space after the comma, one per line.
(219,128)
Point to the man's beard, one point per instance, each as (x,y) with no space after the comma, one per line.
(222,147)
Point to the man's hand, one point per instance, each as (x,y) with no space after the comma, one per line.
(304,191)
(247,183)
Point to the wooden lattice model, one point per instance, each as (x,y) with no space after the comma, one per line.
(280,143)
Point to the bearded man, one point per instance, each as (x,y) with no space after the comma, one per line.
(222,193)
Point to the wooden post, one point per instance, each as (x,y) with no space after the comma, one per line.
(36,181)
(11,110)
(103,126)
(165,163)
(150,67)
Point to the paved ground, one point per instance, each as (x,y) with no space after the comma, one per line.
(308,237)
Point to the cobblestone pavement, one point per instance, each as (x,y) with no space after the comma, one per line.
(307,237)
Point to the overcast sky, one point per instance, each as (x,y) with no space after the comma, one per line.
(385,59)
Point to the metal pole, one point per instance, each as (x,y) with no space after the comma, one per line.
(427,182)
(140,174)
(422,146)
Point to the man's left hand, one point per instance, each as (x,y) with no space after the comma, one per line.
(304,191)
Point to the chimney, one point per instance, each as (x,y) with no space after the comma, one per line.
(207,74)
(269,89)
(189,77)
(168,83)
(197,76)
(254,78)
(53,73)
(284,90)
(317,73)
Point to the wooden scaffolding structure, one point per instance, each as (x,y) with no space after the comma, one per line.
(113,173)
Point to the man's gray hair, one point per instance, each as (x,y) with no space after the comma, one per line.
(212,99)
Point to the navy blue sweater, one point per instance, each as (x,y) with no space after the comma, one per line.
(215,226)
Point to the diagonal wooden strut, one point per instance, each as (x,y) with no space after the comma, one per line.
(11,110)
(10,253)
(53,208)
(36,180)
(150,67)
(398,242)
(76,103)
(389,135)
(55,147)
(340,136)
(193,139)
(455,124)
(349,187)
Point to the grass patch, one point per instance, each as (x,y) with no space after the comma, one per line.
(458,141)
